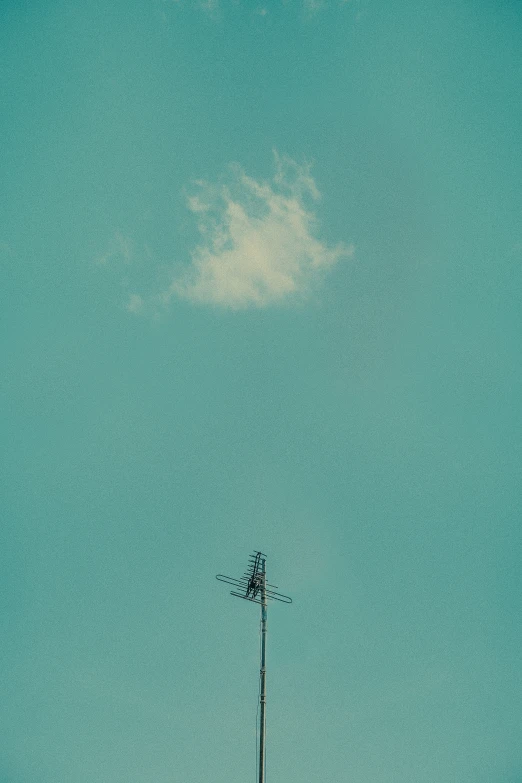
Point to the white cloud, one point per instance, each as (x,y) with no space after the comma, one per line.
(312,6)
(120,247)
(213,6)
(134,303)
(209,5)
(258,241)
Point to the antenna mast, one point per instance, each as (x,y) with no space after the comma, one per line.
(255,588)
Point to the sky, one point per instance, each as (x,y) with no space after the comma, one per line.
(261,277)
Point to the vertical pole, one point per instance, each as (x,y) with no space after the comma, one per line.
(262,715)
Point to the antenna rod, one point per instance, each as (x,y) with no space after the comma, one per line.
(262,715)
(254,588)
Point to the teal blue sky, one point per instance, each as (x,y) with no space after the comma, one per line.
(261,289)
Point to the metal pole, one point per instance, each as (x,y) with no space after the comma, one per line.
(262,716)
(252,586)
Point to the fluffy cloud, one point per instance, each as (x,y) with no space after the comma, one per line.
(258,241)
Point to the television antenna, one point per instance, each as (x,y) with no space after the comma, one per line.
(252,586)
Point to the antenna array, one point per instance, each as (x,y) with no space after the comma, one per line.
(252,582)
(252,586)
